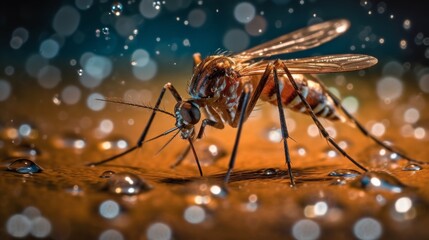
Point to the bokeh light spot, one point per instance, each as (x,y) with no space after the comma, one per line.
(66,21)
(49,76)
(18,225)
(146,72)
(389,88)
(5,90)
(148,9)
(197,18)
(244,12)
(70,95)
(306,229)
(83,4)
(95,103)
(111,234)
(367,228)
(159,231)
(236,40)
(109,209)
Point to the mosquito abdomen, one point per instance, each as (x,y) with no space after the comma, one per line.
(317,98)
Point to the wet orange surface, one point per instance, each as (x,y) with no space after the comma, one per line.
(69,200)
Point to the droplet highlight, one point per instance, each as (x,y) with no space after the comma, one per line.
(345,173)
(23,165)
(412,167)
(127,183)
(107,174)
(378,180)
(117,8)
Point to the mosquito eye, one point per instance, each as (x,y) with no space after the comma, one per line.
(189,113)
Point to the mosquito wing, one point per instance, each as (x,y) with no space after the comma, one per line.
(302,39)
(316,64)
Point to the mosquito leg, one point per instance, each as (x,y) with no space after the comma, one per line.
(142,137)
(244,99)
(321,128)
(361,128)
(256,94)
(285,133)
(206,122)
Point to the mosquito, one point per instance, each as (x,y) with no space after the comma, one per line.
(225,88)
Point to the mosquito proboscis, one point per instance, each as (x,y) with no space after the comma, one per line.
(225,88)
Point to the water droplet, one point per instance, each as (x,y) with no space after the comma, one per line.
(23,165)
(117,8)
(80,72)
(107,174)
(378,180)
(127,183)
(340,181)
(343,176)
(412,167)
(378,157)
(106,33)
(156,5)
(105,30)
(270,172)
(345,173)
(209,151)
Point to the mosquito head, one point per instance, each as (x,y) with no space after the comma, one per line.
(187,115)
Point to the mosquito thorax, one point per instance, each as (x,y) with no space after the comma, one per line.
(212,76)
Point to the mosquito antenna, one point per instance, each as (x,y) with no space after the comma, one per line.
(136,105)
(163,134)
(168,142)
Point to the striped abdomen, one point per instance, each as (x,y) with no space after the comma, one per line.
(317,98)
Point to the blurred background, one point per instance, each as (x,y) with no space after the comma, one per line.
(59,56)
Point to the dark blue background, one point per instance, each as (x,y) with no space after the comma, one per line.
(36,16)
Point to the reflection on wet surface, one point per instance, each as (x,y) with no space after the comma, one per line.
(55,195)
